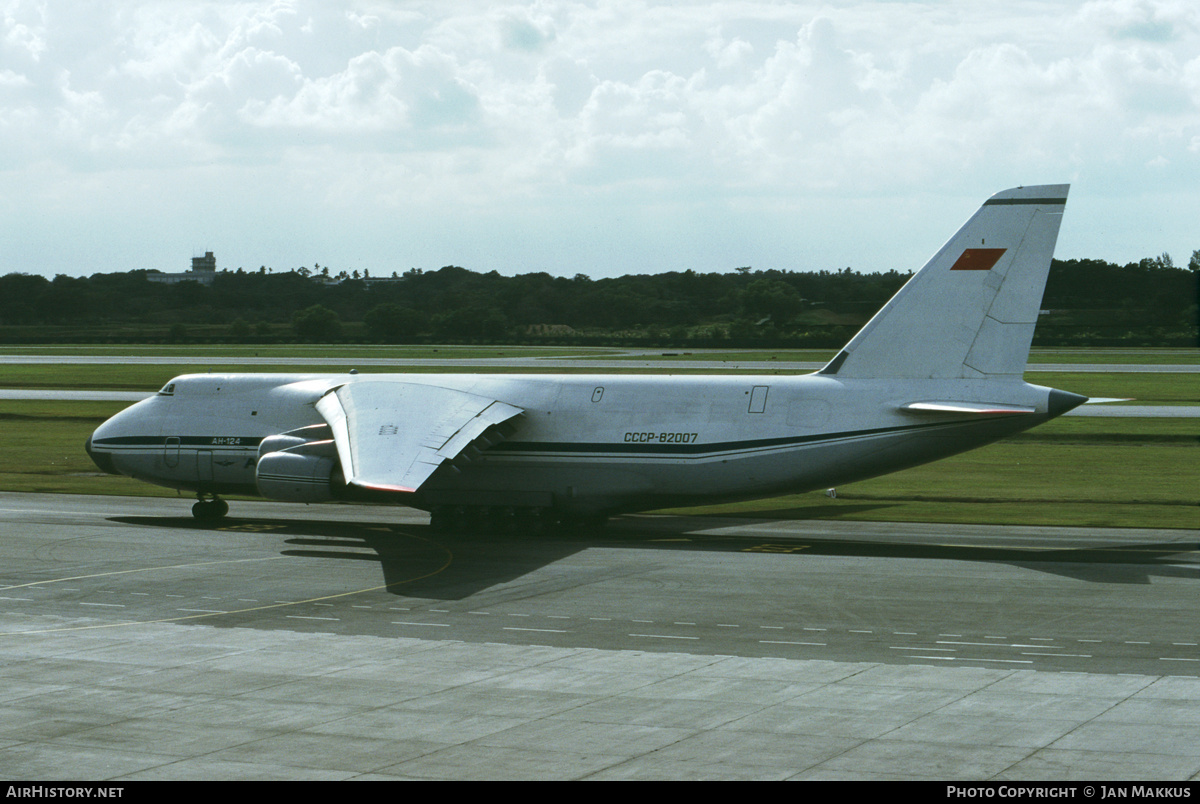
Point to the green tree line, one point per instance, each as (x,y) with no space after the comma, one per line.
(1087,302)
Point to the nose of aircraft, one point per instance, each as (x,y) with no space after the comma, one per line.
(101,459)
(115,436)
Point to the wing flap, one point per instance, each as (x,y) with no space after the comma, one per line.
(393,435)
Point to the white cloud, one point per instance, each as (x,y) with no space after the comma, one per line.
(561,104)
(11,79)
(729,54)
(24,29)
(522,30)
(1146,20)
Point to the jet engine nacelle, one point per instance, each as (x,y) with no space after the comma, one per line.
(294,438)
(298,466)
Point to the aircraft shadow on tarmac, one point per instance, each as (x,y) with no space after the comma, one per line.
(419,562)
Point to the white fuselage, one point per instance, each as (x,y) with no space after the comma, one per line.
(587,443)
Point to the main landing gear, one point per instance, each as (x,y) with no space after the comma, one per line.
(209,507)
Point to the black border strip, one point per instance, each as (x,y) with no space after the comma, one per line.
(209,442)
(1010,201)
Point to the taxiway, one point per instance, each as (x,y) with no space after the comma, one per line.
(350,641)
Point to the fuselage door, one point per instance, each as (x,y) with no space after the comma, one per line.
(758,399)
(171,452)
(204,465)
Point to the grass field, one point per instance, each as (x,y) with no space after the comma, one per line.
(341,354)
(1087,472)
(1092,472)
(1189,357)
(338,352)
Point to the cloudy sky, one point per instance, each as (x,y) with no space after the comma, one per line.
(604,137)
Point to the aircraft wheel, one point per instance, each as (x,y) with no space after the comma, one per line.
(210,510)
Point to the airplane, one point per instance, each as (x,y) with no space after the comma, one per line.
(937,371)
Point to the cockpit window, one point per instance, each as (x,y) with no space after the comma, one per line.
(168,390)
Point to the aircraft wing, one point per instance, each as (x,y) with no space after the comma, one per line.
(392,435)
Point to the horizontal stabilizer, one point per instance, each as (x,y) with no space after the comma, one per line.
(967,407)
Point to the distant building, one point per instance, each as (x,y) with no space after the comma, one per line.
(204,269)
(206,263)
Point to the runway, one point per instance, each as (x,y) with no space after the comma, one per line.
(352,642)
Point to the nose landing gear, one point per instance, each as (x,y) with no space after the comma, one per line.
(209,507)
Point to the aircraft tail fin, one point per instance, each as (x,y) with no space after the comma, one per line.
(970,312)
